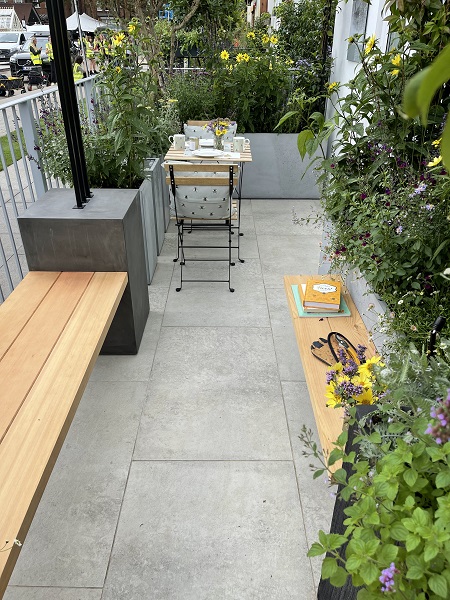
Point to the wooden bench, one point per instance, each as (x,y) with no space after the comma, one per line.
(52,329)
(308,329)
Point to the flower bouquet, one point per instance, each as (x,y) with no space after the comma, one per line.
(219,128)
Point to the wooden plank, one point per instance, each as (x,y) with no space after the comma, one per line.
(202,181)
(197,123)
(22,363)
(308,329)
(20,305)
(31,445)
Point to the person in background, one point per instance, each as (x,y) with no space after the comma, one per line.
(35,52)
(78,72)
(90,55)
(51,58)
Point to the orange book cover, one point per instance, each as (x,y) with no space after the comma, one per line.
(322,293)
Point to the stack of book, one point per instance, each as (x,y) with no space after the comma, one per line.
(319,295)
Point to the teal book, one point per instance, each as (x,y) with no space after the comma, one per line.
(344,310)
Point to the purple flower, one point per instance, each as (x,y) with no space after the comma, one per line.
(361,353)
(420,188)
(440,429)
(363,196)
(399,229)
(387,578)
(330,376)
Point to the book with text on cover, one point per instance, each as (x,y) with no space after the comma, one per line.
(322,293)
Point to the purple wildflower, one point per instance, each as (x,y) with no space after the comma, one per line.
(347,389)
(361,353)
(399,229)
(363,196)
(330,375)
(387,578)
(440,429)
(420,188)
(351,368)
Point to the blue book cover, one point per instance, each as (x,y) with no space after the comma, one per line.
(344,310)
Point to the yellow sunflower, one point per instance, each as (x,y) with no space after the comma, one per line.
(370,44)
(224,55)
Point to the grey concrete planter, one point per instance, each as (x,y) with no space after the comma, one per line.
(277,169)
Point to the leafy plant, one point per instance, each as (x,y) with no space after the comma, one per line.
(397,536)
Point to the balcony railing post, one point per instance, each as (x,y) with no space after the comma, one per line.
(30,133)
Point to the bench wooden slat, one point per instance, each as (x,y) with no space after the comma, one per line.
(19,306)
(22,363)
(308,329)
(40,427)
(202,181)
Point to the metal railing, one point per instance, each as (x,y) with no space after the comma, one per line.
(22,181)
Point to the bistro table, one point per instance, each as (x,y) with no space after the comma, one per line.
(240,158)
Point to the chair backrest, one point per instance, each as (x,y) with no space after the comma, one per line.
(197,129)
(202,191)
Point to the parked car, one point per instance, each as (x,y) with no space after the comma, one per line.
(20,62)
(11,42)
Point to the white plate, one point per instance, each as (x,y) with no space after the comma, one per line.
(207,152)
(206,143)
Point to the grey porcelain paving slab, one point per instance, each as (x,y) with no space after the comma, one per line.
(289,363)
(52,593)
(157,296)
(162,276)
(210,530)
(316,496)
(131,368)
(276,217)
(217,397)
(212,304)
(71,536)
(287,255)
(248,245)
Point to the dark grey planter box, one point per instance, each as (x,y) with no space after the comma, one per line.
(106,235)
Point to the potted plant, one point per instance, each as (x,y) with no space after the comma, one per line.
(125,132)
(396,536)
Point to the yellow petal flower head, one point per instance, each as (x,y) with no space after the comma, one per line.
(118,69)
(332,86)
(245,57)
(118,39)
(270,66)
(436,142)
(239,57)
(265,39)
(224,55)
(370,44)
(251,35)
(435,161)
(131,28)
(273,39)
(395,72)
(397,60)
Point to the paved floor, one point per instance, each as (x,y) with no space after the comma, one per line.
(182,476)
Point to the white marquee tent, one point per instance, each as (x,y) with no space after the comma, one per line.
(87,23)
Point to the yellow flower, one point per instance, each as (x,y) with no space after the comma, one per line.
(224,55)
(251,35)
(171,100)
(239,57)
(370,44)
(219,132)
(270,66)
(230,67)
(118,39)
(435,161)
(273,39)
(265,39)
(395,72)
(245,57)
(118,69)
(332,86)
(131,28)
(436,142)
(289,61)
(397,60)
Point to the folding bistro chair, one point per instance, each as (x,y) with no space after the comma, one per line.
(202,200)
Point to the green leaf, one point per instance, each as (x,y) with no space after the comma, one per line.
(318,473)
(410,477)
(329,567)
(445,145)
(316,550)
(375,437)
(339,578)
(335,455)
(302,138)
(387,554)
(430,552)
(435,76)
(412,541)
(443,479)
(285,117)
(353,563)
(340,476)
(369,572)
(411,106)
(336,541)
(414,572)
(398,532)
(438,584)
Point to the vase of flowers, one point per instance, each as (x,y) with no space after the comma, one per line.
(220,128)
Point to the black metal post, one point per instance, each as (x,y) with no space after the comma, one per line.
(69,106)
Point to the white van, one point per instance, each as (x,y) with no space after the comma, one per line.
(10,42)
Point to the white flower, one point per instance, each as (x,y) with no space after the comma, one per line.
(400,302)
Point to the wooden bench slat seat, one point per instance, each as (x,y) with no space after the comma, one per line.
(65,324)
(329,421)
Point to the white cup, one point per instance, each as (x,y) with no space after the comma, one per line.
(178,141)
(239,143)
